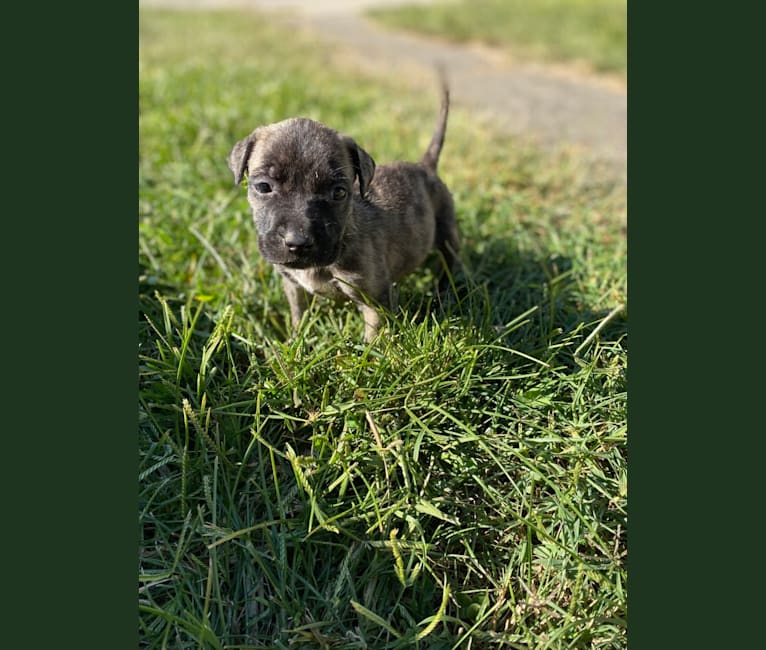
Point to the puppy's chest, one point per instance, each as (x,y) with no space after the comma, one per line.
(320,282)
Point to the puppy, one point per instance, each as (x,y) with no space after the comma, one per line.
(333,224)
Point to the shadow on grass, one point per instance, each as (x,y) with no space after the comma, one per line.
(533,304)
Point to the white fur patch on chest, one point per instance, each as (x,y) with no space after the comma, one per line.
(319,282)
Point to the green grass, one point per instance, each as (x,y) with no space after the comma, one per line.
(459,484)
(590,32)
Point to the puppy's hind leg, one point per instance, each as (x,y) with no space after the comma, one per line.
(448,244)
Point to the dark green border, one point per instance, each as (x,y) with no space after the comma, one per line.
(69,333)
(70,429)
(656,589)
(695,276)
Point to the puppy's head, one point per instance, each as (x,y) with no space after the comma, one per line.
(300,180)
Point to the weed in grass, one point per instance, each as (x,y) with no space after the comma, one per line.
(460,484)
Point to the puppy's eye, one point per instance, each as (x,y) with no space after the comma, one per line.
(262,187)
(339,193)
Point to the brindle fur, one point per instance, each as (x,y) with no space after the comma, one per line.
(333,224)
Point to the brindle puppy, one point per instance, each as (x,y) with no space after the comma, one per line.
(333,224)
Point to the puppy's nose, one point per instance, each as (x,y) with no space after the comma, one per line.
(296,241)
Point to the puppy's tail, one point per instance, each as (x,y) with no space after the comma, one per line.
(430,159)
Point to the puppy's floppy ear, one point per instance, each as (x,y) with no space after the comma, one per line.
(364,165)
(239,156)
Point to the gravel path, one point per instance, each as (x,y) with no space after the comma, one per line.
(552,104)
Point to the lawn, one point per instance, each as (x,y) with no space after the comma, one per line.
(460,483)
(592,33)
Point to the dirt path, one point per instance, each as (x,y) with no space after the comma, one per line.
(553,104)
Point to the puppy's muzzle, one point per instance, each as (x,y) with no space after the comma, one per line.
(300,247)
(297,242)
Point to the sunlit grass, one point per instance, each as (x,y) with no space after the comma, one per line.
(461,483)
(589,32)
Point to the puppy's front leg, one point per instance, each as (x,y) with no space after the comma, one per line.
(371,322)
(373,313)
(297,298)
